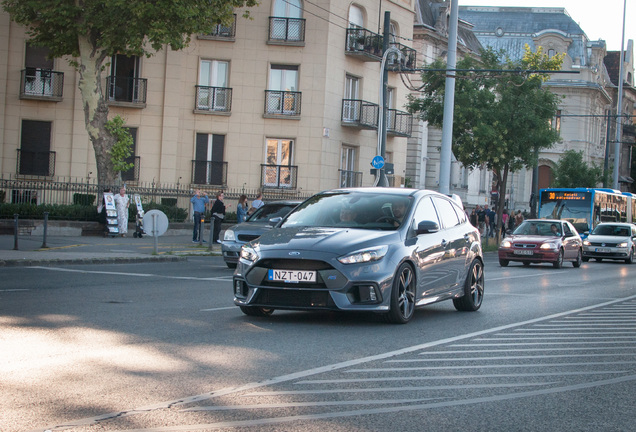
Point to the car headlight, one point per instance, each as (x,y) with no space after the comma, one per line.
(505,244)
(548,246)
(365,255)
(229,235)
(622,245)
(249,253)
(586,243)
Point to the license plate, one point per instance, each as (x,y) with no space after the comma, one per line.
(524,252)
(603,250)
(291,276)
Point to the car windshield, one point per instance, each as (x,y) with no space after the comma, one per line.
(351,209)
(270,211)
(611,230)
(539,228)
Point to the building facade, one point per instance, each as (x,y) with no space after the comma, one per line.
(286,101)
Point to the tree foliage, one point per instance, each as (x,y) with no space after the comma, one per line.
(571,171)
(89,32)
(502,114)
(122,148)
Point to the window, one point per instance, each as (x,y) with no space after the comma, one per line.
(348,174)
(124,82)
(209,167)
(351,96)
(446,213)
(35,156)
(425,211)
(279,159)
(356,16)
(133,173)
(213,91)
(39,77)
(283,97)
(287,23)
(556,121)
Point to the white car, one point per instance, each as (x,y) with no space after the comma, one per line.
(611,240)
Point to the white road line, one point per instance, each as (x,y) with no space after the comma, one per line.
(525,276)
(305,404)
(220,279)
(14,290)
(218,309)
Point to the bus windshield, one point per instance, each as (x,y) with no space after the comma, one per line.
(575,208)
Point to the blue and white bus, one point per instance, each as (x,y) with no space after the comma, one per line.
(586,207)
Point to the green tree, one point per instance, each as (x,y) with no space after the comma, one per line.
(122,148)
(90,32)
(501,119)
(570,171)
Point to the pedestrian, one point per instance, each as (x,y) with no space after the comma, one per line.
(492,221)
(199,203)
(241,209)
(257,203)
(504,222)
(481,220)
(518,218)
(218,214)
(122,202)
(473,218)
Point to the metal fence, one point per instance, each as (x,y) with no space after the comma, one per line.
(68,191)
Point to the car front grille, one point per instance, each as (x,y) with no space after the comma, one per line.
(603,244)
(525,245)
(295,264)
(247,237)
(280,298)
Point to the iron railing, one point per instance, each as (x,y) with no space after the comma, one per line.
(34,163)
(279,176)
(217,99)
(350,178)
(407,59)
(222,31)
(209,173)
(42,84)
(359,113)
(364,43)
(399,123)
(286,30)
(282,103)
(125,89)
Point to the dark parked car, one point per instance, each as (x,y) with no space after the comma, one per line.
(540,241)
(611,240)
(253,227)
(383,250)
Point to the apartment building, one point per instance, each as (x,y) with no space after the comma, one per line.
(287,100)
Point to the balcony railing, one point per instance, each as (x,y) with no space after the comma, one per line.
(350,178)
(399,123)
(133,173)
(209,173)
(222,32)
(127,90)
(282,103)
(364,43)
(36,163)
(41,84)
(218,99)
(287,31)
(359,113)
(279,176)
(407,59)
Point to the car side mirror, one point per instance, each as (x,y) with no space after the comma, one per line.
(275,221)
(427,227)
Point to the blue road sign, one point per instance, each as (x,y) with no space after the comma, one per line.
(377,162)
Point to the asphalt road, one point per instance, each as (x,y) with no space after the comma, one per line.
(160,347)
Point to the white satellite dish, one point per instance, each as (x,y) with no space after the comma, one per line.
(155,223)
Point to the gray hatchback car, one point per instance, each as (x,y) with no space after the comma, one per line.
(382,250)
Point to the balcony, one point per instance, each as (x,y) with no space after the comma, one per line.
(209,173)
(133,173)
(41,84)
(279,176)
(360,114)
(34,163)
(407,60)
(350,178)
(364,44)
(213,99)
(286,31)
(399,123)
(127,92)
(282,103)
(222,32)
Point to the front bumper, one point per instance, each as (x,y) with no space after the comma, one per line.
(608,253)
(547,255)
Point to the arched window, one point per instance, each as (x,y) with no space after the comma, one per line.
(356,16)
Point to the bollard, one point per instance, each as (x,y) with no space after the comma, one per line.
(155,233)
(15,232)
(46,222)
(210,244)
(201,229)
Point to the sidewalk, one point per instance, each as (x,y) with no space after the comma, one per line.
(99,250)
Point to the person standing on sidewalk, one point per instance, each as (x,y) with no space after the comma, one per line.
(218,214)
(198,207)
(122,202)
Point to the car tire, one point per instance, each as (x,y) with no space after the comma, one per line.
(503,262)
(579,260)
(630,258)
(402,296)
(231,265)
(473,289)
(256,311)
(559,261)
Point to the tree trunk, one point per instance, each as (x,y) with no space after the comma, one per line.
(91,63)
(502,180)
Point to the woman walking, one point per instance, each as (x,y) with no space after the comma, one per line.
(241,210)
(122,202)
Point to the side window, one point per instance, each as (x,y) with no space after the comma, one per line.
(566,228)
(461,214)
(425,211)
(446,213)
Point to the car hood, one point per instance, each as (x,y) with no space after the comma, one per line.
(252,226)
(335,240)
(606,239)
